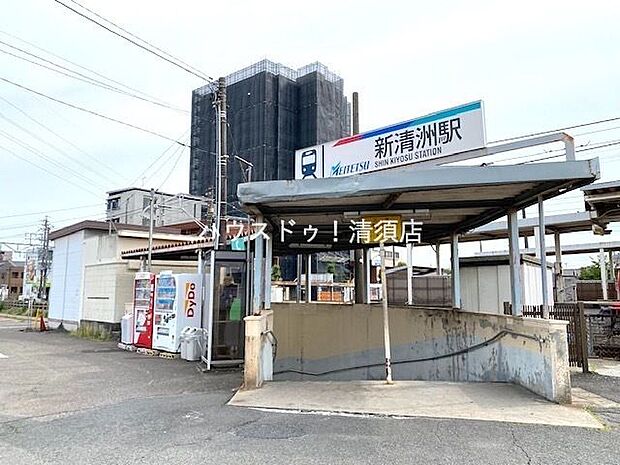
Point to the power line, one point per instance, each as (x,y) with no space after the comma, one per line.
(175,61)
(591,123)
(610,144)
(91,157)
(46,158)
(47,171)
(154,162)
(49,211)
(83,78)
(171,169)
(109,118)
(41,155)
(83,67)
(208,78)
(62,152)
(170,157)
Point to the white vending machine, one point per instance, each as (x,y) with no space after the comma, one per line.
(178,300)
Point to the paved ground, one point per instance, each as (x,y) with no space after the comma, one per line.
(69,401)
(479,401)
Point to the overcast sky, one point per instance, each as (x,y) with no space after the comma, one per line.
(537,66)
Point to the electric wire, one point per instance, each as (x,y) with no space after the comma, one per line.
(44,157)
(27,160)
(141,40)
(60,151)
(96,73)
(57,164)
(466,350)
(48,211)
(154,162)
(47,128)
(178,63)
(100,115)
(182,150)
(540,133)
(83,78)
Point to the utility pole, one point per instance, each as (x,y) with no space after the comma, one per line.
(222,160)
(151,220)
(44,259)
(359,269)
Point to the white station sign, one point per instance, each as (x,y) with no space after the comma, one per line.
(439,134)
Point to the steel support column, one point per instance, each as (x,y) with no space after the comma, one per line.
(368,264)
(268,260)
(543,257)
(409,274)
(308,281)
(259,281)
(300,260)
(516,290)
(456,272)
(559,278)
(601,261)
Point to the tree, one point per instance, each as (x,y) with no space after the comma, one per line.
(593,271)
(331,268)
(276,273)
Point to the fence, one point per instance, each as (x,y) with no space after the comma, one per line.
(576,331)
(431,290)
(604,334)
(24,304)
(592,290)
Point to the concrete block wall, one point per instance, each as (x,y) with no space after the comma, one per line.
(317,338)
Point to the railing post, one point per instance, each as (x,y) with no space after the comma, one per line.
(583,346)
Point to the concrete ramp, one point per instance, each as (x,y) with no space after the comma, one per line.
(472,401)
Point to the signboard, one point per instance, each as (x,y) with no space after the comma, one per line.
(437,135)
(31,276)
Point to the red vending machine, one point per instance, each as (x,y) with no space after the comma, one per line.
(143,294)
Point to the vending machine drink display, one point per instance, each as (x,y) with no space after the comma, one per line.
(143,293)
(177,305)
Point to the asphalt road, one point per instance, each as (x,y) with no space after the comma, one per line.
(65,400)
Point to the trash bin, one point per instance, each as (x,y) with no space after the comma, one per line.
(127,329)
(191,344)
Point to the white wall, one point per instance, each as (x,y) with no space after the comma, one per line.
(65,300)
(485,288)
(532,285)
(108,279)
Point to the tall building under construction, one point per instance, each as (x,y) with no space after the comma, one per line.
(272,111)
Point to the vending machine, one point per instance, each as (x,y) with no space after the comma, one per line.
(178,300)
(143,293)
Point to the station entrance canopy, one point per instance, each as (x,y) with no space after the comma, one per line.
(443,200)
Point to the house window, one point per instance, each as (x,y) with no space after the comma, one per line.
(3,276)
(21,275)
(15,274)
(114,204)
(14,290)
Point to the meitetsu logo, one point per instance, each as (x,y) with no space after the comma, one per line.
(340,170)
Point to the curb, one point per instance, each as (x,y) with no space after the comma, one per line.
(17,317)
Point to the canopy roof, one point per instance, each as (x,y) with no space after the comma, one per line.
(446,199)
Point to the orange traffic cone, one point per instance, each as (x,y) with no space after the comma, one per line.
(42,326)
